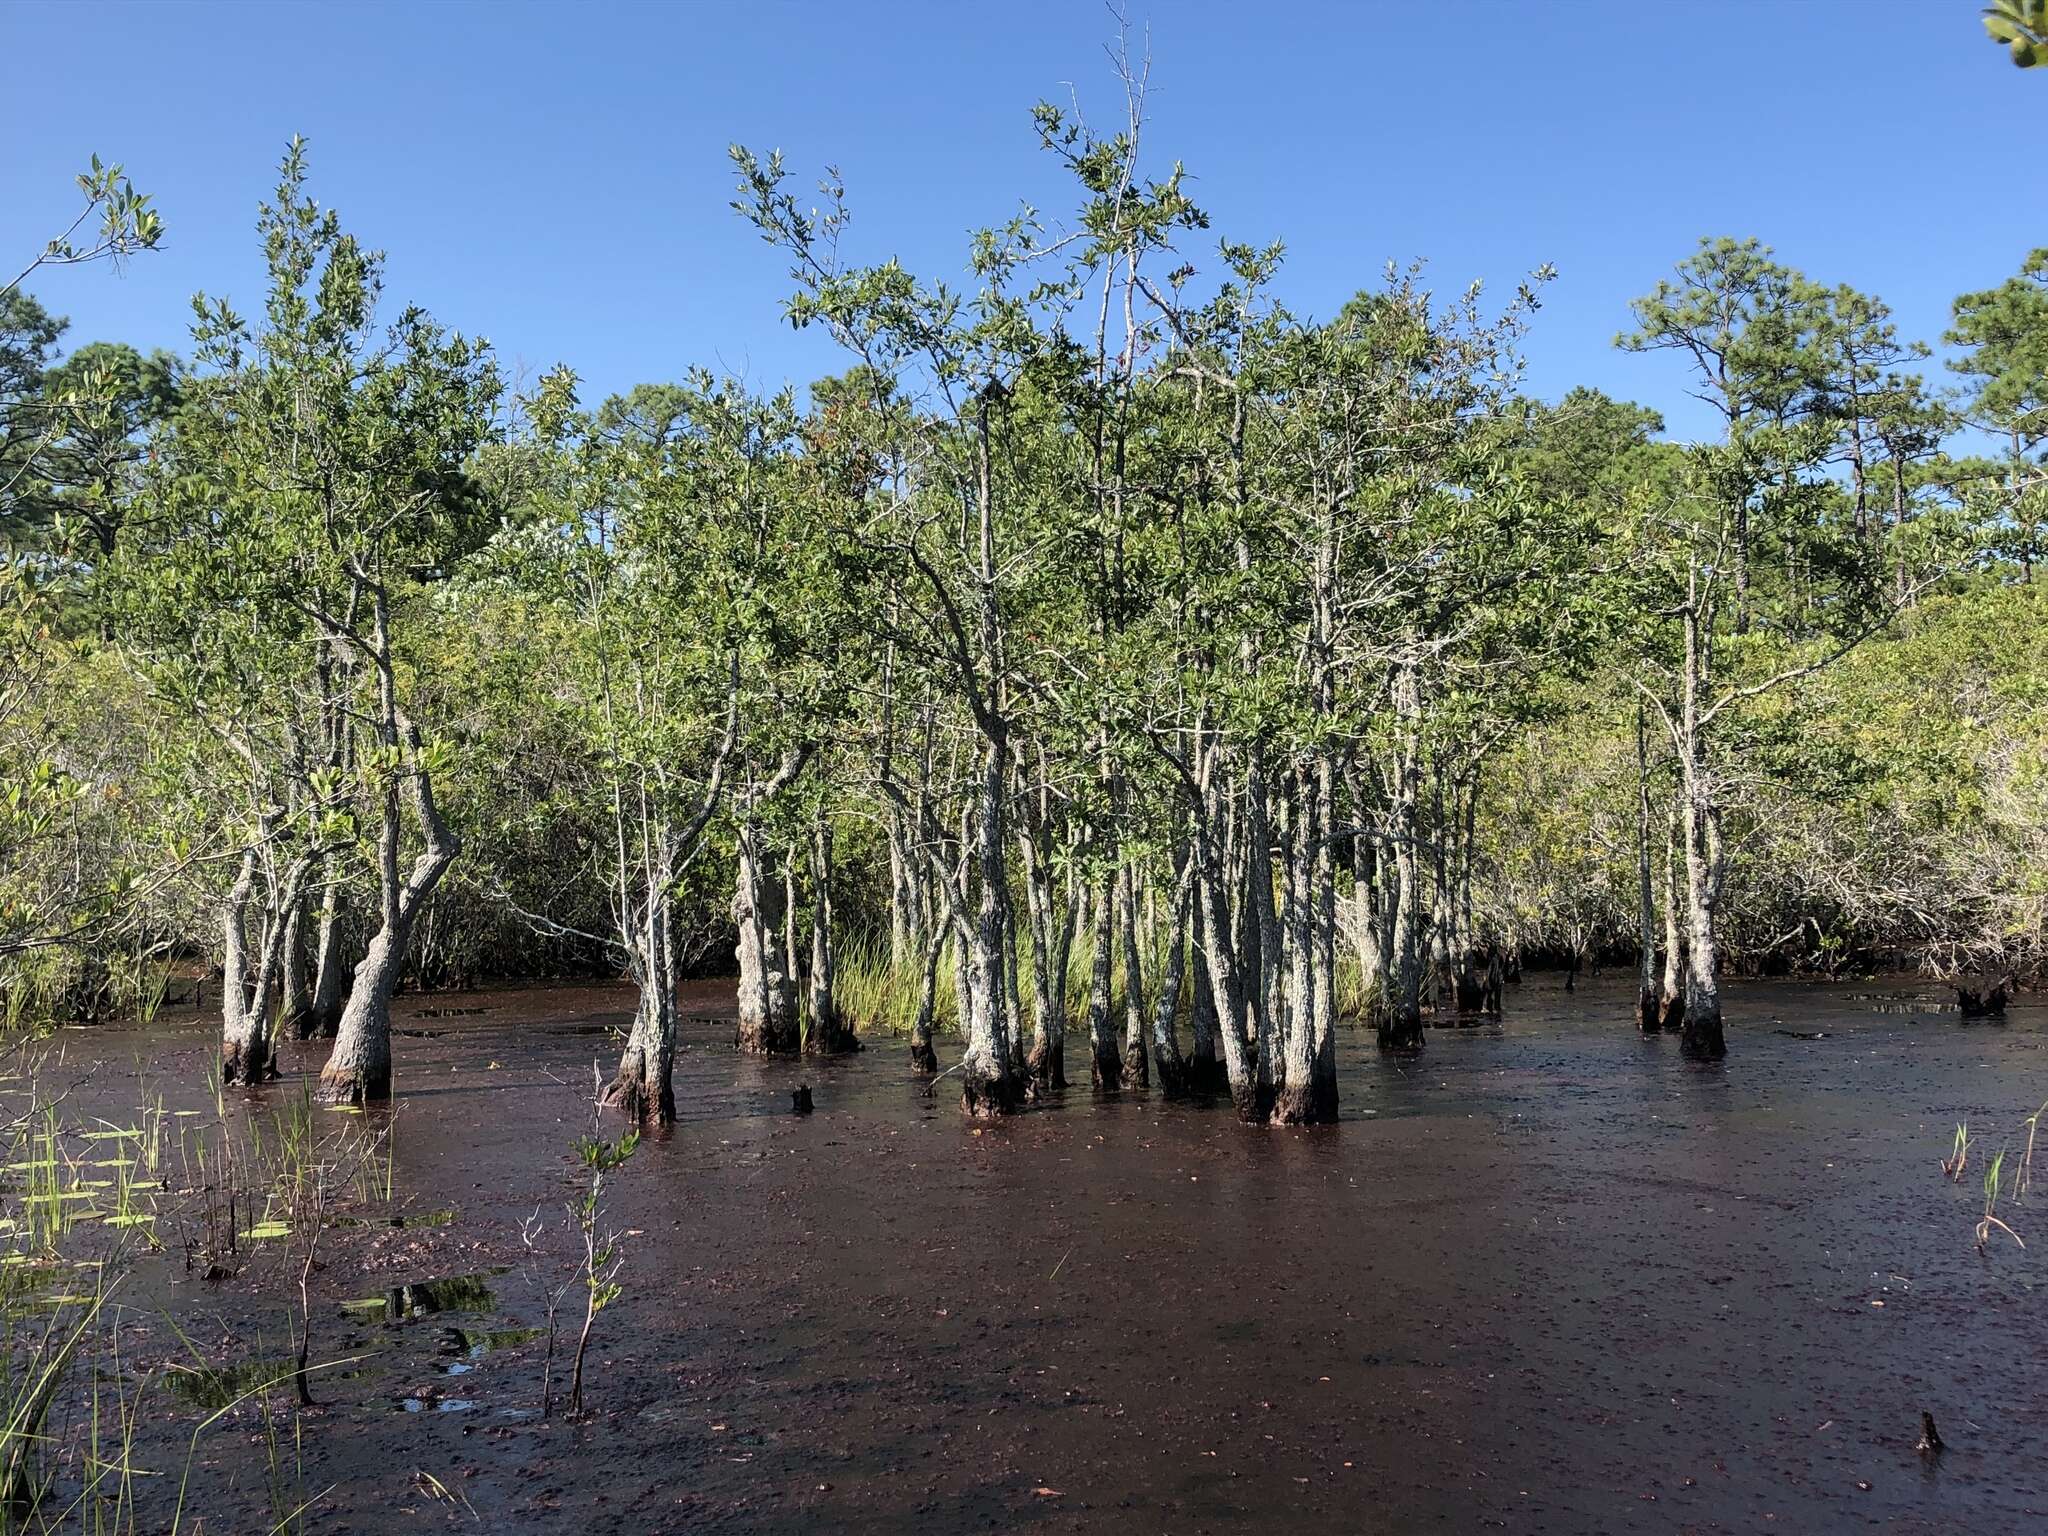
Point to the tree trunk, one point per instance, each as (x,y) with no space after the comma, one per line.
(827,1032)
(768,1024)
(923,1059)
(1205,1072)
(989,1086)
(329,991)
(1701,1037)
(1401,1029)
(1135,1072)
(644,1086)
(1671,990)
(294,992)
(1322,868)
(1173,1072)
(1648,1015)
(1228,987)
(1105,1064)
(1044,1066)
(360,1067)
(247,1054)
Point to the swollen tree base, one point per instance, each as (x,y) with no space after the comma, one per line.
(1205,1073)
(1135,1071)
(767,1037)
(1304,1104)
(832,1039)
(1105,1067)
(1397,1033)
(1045,1069)
(1702,1039)
(991,1097)
(357,1086)
(247,1063)
(635,1095)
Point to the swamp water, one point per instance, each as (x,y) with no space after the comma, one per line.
(1545,1277)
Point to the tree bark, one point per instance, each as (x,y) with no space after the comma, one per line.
(827,1033)
(1135,1073)
(768,1023)
(323,1017)
(360,1067)
(1701,1036)
(294,992)
(1105,1063)
(1648,1014)
(247,1054)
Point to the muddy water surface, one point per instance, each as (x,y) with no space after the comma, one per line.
(1546,1277)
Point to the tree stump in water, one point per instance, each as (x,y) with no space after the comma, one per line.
(800,1100)
(1983,999)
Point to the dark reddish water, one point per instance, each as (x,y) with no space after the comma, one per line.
(1547,1277)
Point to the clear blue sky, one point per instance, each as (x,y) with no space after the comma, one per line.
(554,176)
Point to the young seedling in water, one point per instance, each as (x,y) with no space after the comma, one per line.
(601,1257)
(1959,1154)
(598,1268)
(1991,1180)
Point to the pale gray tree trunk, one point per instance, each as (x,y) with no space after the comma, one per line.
(1173,1071)
(359,1069)
(246,1052)
(768,1022)
(294,992)
(827,1032)
(330,988)
(1701,1036)
(1229,988)
(1671,991)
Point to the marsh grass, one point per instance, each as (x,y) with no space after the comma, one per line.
(83,1200)
(1997,1186)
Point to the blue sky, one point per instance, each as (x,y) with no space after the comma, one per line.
(554,176)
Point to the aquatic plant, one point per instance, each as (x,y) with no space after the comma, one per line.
(1992,1176)
(1959,1153)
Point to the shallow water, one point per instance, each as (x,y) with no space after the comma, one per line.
(1546,1277)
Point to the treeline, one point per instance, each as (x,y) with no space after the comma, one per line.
(1107,644)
